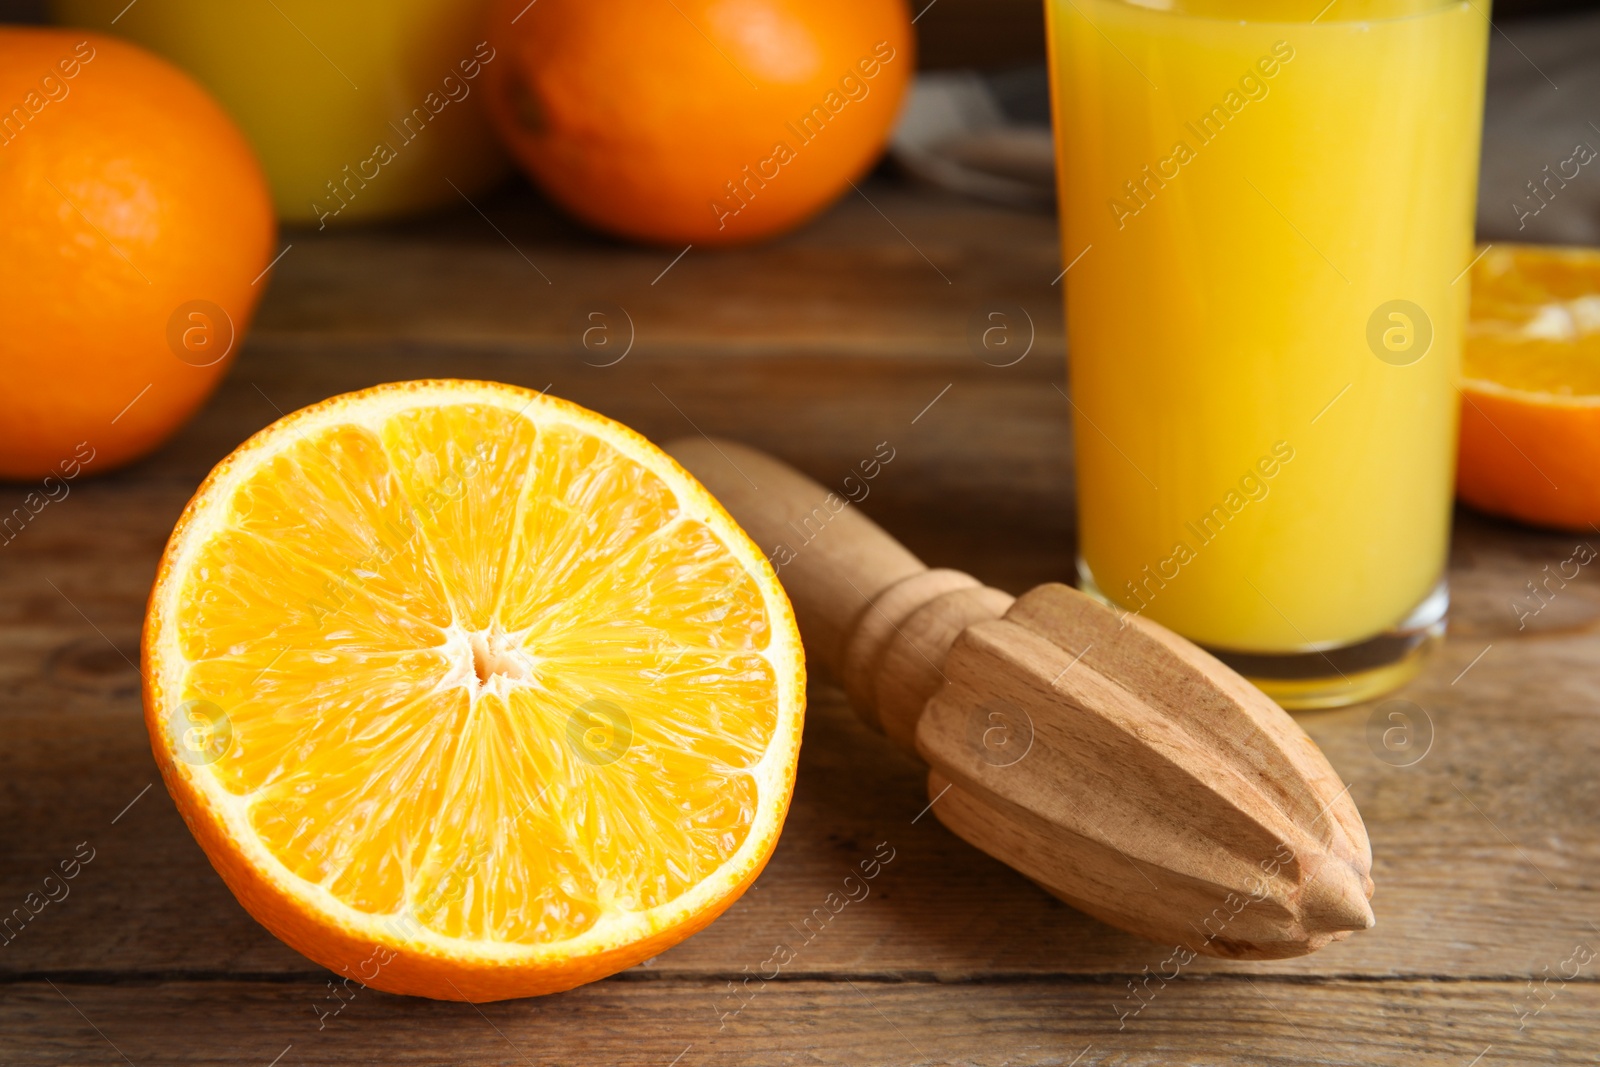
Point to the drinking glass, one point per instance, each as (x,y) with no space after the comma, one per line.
(1267,211)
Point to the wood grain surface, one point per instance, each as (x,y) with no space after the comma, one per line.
(854,332)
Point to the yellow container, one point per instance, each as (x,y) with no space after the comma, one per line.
(359,109)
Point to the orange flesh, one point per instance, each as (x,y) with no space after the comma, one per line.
(1535,322)
(433,644)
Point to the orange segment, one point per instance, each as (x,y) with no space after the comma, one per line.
(557,539)
(1530,410)
(475,679)
(464,469)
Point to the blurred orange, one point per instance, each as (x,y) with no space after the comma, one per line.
(700,121)
(137,222)
(1530,401)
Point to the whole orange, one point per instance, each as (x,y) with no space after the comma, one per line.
(699,121)
(137,222)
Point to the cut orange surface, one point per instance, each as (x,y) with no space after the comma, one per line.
(469,692)
(1530,402)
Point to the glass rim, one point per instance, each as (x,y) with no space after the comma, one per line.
(1431,9)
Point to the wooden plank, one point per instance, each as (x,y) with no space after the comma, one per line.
(888,269)
(1487,855)
(1513,751)
(981,481)
(688,1023)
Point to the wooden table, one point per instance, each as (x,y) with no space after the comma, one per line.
(853,332)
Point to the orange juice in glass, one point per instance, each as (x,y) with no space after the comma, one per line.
(1267,210)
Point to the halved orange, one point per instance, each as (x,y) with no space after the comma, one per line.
(1530,399)
(469,692)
